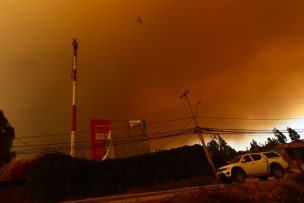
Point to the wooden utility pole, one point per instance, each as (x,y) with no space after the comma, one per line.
(198,130)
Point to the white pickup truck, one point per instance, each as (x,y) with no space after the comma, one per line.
(262,165)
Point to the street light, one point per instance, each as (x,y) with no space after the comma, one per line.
(198,130)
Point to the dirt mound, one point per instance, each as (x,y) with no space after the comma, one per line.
(289,189)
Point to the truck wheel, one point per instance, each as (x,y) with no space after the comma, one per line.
(263,177)
(226,181)
(277,171)
(239,176)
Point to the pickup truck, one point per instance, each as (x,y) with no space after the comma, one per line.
(262,165)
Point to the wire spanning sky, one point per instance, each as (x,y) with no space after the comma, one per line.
(243,59)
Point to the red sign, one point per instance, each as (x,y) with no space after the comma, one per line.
(100,138)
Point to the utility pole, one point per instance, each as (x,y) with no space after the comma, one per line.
(198,130)
(74,99)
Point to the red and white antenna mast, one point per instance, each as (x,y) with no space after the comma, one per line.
(74,100)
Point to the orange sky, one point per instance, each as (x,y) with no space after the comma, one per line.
(241,58)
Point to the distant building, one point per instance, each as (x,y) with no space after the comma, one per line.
(129,140)
(293,152)
(126,139)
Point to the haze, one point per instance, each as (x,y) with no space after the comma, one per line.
(243,59)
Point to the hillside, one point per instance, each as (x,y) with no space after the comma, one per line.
(289,189)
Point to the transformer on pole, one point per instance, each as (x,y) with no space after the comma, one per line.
(74,98)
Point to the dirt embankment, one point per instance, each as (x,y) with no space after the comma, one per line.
(289,189)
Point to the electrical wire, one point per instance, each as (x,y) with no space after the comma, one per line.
(118,142)
(87,145)
(152,135)
(112,128)
(254,119)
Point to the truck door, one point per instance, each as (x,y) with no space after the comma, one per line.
(260,164)
(247,165)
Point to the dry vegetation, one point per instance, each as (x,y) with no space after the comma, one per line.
(289,189)
(17,169)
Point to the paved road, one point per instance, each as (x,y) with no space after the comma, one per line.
(167,194)
(149,196)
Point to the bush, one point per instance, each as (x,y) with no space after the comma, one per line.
(17,169)
(299,178)
(57,176)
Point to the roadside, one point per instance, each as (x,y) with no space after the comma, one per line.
(288,189)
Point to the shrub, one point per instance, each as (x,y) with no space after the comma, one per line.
(17,169)
(59,177)
(299,178)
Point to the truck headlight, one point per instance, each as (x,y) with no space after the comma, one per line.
(224,169)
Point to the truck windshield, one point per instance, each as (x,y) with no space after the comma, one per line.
(236,159)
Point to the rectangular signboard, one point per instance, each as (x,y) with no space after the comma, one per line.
(100,138)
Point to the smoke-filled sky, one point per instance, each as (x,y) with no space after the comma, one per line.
(243,59)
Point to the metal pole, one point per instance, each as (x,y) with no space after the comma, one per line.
(74,99)
(198,130)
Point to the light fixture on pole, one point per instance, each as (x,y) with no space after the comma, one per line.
(198,130)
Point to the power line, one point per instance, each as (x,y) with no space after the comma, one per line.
(169,121)
(122,137)
(174,137)
(118,142)
(113,128)
(240,118)
(152,136)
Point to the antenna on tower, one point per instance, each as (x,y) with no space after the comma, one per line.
(74,98)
